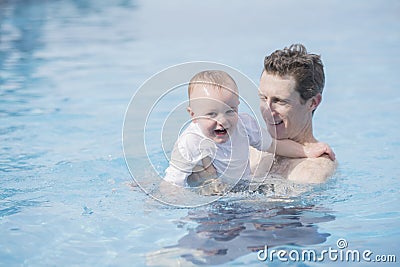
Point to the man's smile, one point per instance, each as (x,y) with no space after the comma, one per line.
(276,122)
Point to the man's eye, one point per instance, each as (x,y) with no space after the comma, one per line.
(279,101)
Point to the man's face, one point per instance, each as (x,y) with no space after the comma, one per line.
(215,111)
(282,110)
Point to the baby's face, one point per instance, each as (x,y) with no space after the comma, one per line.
(215,110)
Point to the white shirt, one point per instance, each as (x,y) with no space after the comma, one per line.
(230,159)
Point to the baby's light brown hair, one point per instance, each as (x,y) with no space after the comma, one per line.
(218,79)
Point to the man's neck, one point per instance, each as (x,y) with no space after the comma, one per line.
(306,136)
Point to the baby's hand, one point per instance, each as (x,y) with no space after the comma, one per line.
(202,174)
(315,150)
(209,168)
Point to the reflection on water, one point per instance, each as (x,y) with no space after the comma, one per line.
(225,231)
(21,36)
(50,83)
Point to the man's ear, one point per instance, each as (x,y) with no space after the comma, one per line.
(315,101)
(191,113)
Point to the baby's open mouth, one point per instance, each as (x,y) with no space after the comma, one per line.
(220,132)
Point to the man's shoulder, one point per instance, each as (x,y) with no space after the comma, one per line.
(302,170)
(311,170)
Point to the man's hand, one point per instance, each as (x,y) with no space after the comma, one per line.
(315,150)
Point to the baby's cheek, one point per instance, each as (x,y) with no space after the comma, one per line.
(235,120)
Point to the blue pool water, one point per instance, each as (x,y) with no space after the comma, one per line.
(68,70)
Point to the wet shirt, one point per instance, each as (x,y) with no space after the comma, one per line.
(230,159)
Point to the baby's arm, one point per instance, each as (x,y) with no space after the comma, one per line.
(260,139)
(209,169)
(181,163)
(292,149)
(176,175)
(201,174)
(205,179)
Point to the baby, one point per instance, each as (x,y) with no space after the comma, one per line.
(218,138)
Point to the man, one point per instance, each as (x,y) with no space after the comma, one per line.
(290,91)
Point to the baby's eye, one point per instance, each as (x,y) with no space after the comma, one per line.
(211,114)
(231,111)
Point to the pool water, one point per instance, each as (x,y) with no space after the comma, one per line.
(68,70)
